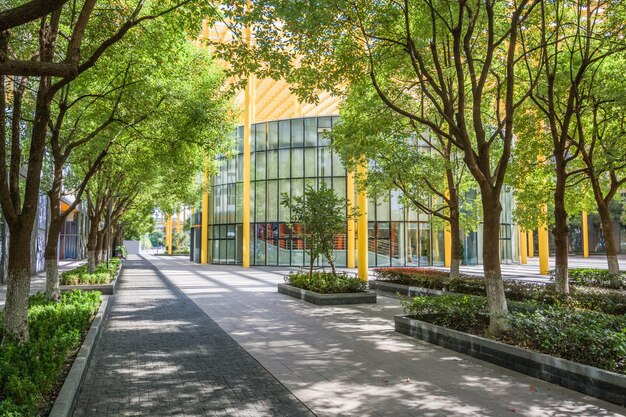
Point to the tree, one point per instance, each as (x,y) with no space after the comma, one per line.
(86,37)
(454,61)
(322,216)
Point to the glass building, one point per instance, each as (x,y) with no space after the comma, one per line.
(285,155)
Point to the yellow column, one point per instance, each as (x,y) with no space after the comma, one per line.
(168,233)
(204,235)
(523,246)
(248,117)
(447,242)
(350,255)
(531,244)
(362,243)
(585,236)
(542,239)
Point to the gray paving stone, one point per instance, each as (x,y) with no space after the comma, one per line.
(161,355)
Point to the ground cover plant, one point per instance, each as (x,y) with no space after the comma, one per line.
(326,282)
(590,277)
(604,300)
(588,337)
(29,372)
(102,274)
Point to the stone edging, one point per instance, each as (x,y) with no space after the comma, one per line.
(404,289)
(606,385)
(105,289)
(368,297)
(66,400)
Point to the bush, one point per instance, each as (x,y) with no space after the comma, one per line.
(604,300)
(28,372)
(326,282)
(102,275)
(587,337)
(590,277)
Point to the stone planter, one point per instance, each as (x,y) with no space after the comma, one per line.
(385,286)
(606,385)
(368,297)
(105,289)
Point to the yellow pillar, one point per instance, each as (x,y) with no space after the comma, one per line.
(248,117)
(585,236)
(531,244)
(447,242)
(362,243)
(350,255)
(204,235)
(168,233)
(523,246)
(542,239)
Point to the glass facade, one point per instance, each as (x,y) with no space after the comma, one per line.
(287,154)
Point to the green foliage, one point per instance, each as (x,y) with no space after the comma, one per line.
(322,216)
(587,337)
(157,239)
(604,300)
(590,277)
(326,283)
(120,251)
(28,372)
(102,274)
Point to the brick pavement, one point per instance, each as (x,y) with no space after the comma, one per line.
(349,361)
(160,355)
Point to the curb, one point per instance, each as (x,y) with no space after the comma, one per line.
(105,289)
(599,383)
(66,400)
(405,289)
(368,297)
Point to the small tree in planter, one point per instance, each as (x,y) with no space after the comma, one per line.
(322,215)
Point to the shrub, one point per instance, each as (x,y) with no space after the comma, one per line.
(102,275)
(590,277)
(326,282)
(28,372)
(587,337)
(599,299)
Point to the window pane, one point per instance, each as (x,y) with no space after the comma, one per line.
(297,133)
(310,132)
(272,135)
(239,191)
(382,210)
(297,163)
(272,244)
(260,202)
(310,162)
(259,241)
(239,167)
(272,201)
(284,134)
(260,136)
(284,163)
(260,165)
(338,169)
(325,162)
(272,164)
(285,187)
(339,185)
(397,212)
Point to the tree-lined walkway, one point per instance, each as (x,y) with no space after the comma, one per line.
(160,355)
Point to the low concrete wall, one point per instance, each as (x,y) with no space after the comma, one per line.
(368,297)
(105,289)
(404,289)
(133,247)
(599,383)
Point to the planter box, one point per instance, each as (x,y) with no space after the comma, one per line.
(368,297)
(596,382)
(105,289)
(404,289)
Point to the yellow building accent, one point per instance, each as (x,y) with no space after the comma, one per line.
(531,244)
(350,255)
(585,235)
(168,233)
(204,235)
(363,226)
(542,239)
(447,244)
(523,246)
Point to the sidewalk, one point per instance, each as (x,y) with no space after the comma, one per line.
(38,281)
(348,361)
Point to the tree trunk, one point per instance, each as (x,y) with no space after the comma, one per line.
(53,291)
(100,247)
(609,243)
(16,306)
(494,286)
(455,233)
(91,245)
(560,230)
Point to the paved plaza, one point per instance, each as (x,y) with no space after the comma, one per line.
(205,340)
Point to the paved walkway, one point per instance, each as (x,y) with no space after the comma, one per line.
(348,361)
(160,355)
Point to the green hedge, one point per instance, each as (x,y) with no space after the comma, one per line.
(590,277)
(326,282)
(28,373)
(587,337)
(591,298)
(102,275)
